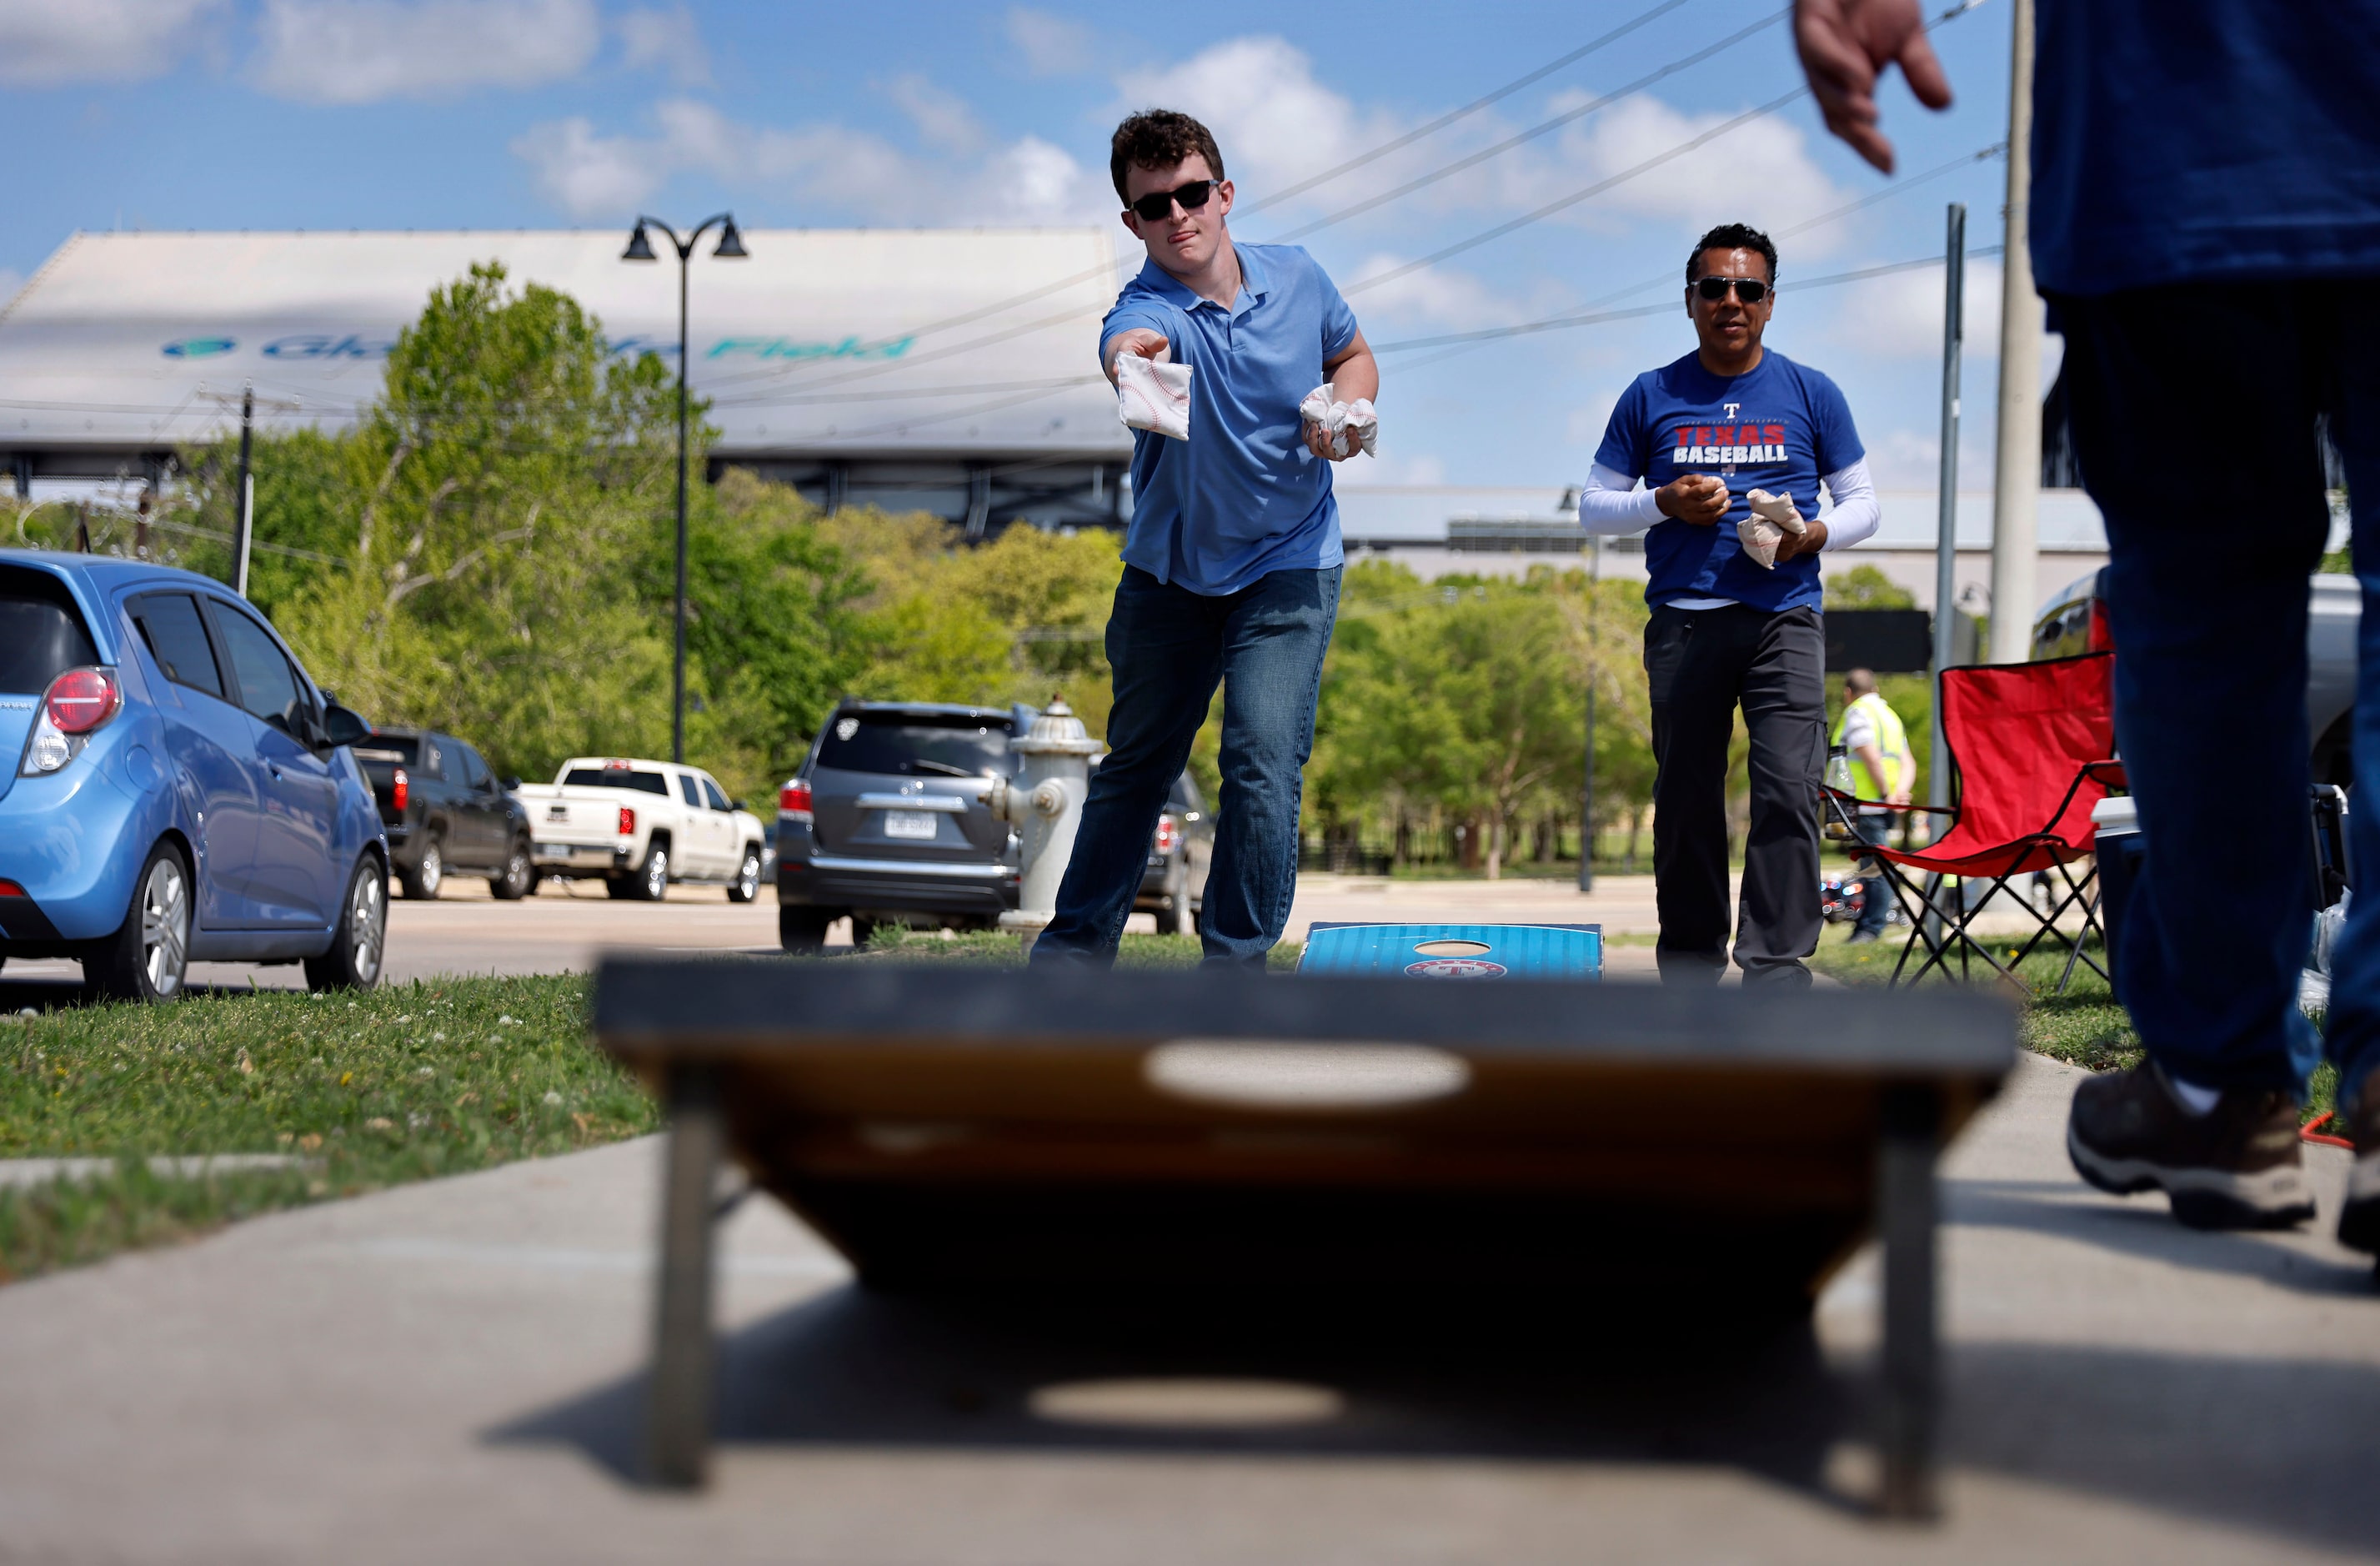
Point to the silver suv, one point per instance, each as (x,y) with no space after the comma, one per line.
(871,828)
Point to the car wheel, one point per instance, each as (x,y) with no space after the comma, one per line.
(801,928)
(147,958)
(746,885)
(651,881)
(428,874)
(520,878)
(361,940)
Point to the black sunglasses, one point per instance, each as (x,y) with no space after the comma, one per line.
(1751,290)
(1154,206)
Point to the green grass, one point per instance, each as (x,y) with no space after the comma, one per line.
(2084,1027)
(404,1083)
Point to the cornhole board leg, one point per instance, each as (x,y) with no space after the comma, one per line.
(678,1391)
(1910,1404)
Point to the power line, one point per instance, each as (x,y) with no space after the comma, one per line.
(1897,187)
(1597,318)
(1544,128)
(1575,197)
(1399,144)
(1372,156)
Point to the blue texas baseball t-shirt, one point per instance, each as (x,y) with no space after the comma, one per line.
(1781,428)
(1242,497)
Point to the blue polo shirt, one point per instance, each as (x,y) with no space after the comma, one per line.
(1779,427)
(1242,497)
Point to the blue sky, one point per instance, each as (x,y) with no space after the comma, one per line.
(505,113)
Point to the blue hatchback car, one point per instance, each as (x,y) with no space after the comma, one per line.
(175,788)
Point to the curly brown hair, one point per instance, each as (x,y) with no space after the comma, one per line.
(1160,139)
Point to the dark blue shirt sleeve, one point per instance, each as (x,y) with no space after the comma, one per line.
(1835,437)
(1624,449)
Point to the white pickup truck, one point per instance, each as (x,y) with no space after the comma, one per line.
(640,825)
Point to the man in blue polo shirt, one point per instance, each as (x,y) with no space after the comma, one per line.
(1727,630)
(2206,225)
(1231,568)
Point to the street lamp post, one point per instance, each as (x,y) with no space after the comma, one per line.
(640,248)
(1586,788)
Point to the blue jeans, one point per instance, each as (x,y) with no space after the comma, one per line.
(1876,892)
(1168,648)
(2211,545)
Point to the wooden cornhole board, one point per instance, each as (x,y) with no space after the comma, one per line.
(972,1129)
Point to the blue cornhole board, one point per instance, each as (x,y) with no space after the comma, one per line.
(1513,951)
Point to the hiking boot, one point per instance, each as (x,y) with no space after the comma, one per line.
(2235,1167)
(2359,1221)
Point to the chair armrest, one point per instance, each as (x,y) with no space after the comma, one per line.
(1833,792)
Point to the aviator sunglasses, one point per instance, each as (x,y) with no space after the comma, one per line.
(1751,290)
(1154,206)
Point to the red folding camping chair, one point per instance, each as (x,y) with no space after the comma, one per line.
(2030,744)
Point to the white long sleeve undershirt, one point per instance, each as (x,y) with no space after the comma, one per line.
(1610,504)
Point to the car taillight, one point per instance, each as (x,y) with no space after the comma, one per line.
(82,699)
(1169,835)
(2102,637)
(77,704)
(628,822)
(399,790)
(794,800)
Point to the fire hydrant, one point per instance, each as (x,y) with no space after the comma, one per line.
(1044,802)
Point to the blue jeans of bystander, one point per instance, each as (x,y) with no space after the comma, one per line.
(2206,598)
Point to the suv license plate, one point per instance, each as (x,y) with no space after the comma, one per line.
(909,824)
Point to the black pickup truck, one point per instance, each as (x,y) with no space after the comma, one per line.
(444,813)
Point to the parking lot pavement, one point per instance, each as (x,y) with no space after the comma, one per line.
(567,926)
(449,1372)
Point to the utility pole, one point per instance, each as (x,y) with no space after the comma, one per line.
(2016,478)
(1946,525)
(640,248)
(244,531)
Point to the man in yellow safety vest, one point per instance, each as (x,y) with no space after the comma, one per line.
(1882,768)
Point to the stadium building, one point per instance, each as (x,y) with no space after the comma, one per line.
(946,371)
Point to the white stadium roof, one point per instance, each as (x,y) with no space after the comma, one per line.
(828,343)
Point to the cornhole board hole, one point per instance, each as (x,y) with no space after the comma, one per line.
(1455,951)
(975,1130)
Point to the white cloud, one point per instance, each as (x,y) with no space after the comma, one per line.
(1049,45)
(47,41)
(1760,173)
(590,175)
(1435,296)
(669,40)
(944,119)
(1900,316)
(1272,120)
(365,51)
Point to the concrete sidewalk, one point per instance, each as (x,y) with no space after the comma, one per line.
(448,1373)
